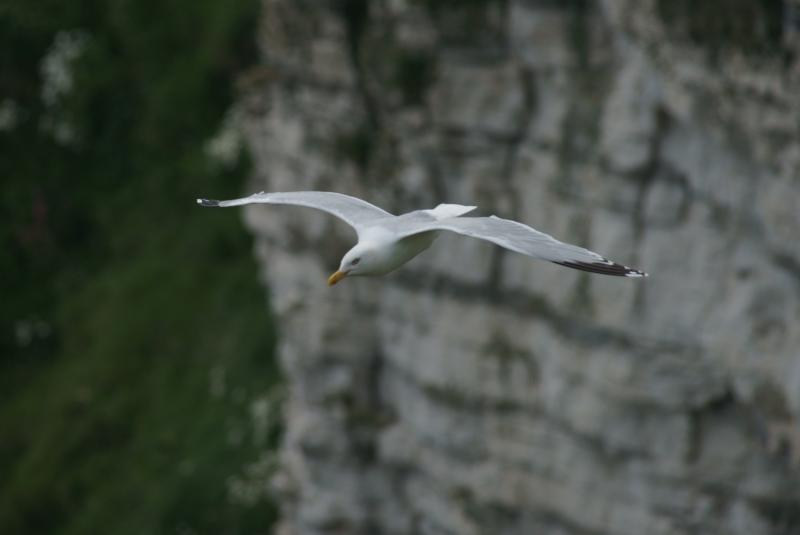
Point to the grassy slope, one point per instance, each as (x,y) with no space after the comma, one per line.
(108,423)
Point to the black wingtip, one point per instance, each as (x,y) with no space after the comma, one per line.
(208,202)
(605,268)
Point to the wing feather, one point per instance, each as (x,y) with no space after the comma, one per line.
(522,239)
(353,211)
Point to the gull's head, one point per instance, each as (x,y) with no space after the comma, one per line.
(357,261)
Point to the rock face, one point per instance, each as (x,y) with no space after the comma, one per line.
(478,391)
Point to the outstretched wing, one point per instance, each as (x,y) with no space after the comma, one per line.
(353,211)
(520,238)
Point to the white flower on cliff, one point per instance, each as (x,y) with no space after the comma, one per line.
(56,66)
(58,81)
(226,145)
(9,115)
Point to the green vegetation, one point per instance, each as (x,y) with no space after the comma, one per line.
(438,6)
(134,338)
(414,74)
(356,146)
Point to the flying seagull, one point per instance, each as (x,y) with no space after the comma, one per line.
(386,241)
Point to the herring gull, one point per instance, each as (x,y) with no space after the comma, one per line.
(386,241)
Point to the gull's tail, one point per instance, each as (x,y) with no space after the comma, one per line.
(446,211)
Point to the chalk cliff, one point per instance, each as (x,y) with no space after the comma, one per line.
(478,391)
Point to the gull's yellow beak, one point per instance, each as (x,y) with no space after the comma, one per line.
(336,277)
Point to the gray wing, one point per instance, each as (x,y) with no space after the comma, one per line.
(353,211)
(520,238)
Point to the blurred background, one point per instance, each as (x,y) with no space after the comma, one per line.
(136,342)
(171,369)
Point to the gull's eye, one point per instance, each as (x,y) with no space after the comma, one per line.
(355,261)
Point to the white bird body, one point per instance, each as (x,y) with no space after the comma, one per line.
(380,254)
(386,242)
(379,250)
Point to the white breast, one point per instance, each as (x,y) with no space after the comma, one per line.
(396,253)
